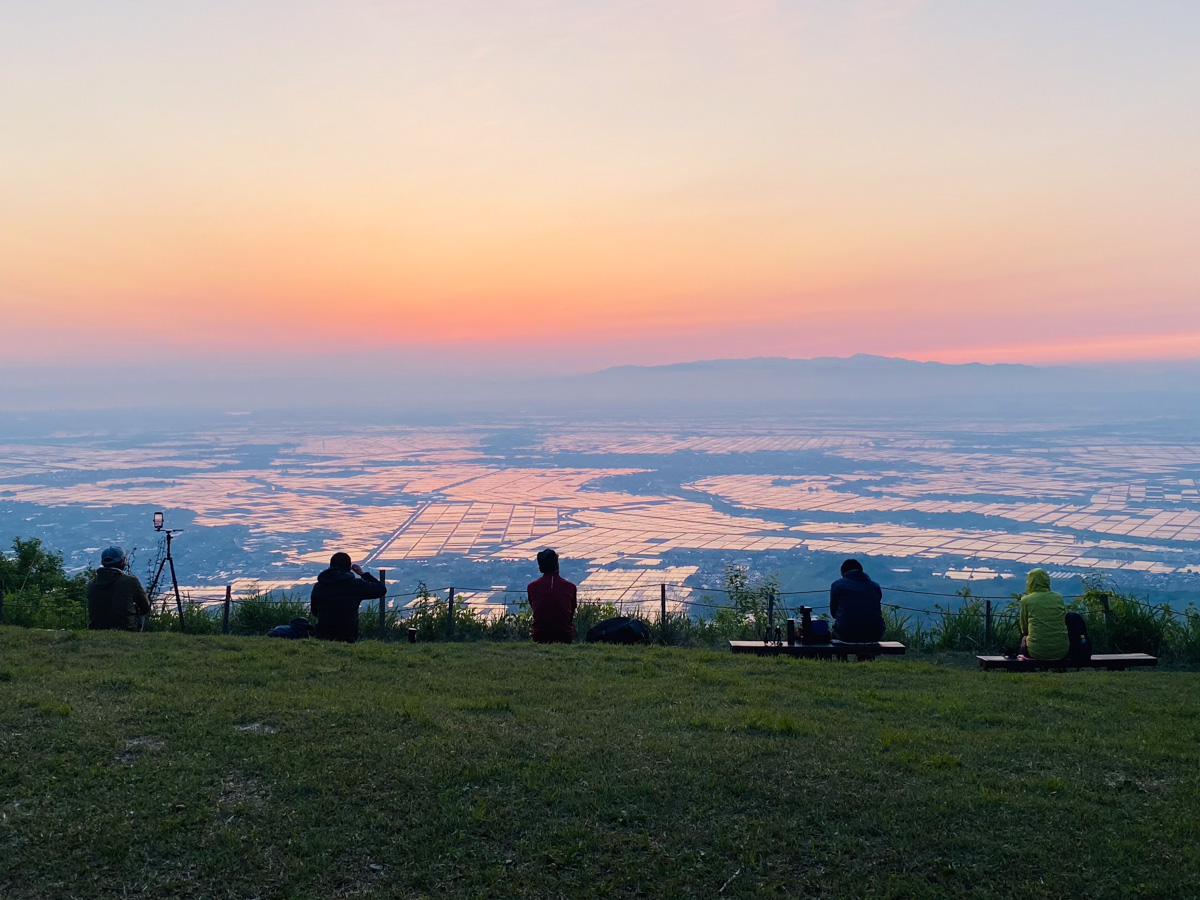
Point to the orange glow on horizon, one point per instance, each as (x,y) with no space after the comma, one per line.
(633,184)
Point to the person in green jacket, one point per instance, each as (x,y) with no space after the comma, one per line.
(1043,619)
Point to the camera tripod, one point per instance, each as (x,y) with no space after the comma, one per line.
(168,561)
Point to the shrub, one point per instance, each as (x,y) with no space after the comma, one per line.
(37,591)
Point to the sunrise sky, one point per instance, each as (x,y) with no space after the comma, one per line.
(524,186)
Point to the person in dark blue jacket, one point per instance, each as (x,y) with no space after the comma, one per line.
(855,602)
(336,596)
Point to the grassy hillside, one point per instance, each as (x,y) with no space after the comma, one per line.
(208,766)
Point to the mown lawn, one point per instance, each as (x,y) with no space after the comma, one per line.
(173,765)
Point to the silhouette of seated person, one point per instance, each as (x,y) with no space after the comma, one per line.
(1043,619)
(553,603)
(856,604)
(336,596)
(116,600)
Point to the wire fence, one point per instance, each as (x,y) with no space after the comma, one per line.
(620,597)
(434,613)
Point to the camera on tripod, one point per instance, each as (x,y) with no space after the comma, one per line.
(166,561)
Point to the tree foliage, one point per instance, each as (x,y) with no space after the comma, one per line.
(37,590)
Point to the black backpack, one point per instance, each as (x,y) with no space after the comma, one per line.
(1081,644)
(619,630)
(297,629)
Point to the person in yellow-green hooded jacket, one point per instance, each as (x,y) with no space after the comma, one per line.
(1043,619)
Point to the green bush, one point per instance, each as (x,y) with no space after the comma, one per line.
(37,591)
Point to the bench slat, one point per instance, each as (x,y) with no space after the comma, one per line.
(1110,661)
(834,649)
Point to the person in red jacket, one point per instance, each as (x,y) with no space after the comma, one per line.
(552,599)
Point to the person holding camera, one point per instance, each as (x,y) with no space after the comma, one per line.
(336,596)
(116,600)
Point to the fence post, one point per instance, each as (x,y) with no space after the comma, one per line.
(450,613)
(1,605)
(662,614)
(382,605)
(987,623)
(225,609)
(770,613)
(1107,611)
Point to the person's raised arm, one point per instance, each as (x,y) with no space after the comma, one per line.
(370,587)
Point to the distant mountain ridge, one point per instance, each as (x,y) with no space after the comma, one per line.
(858,361)
(783,383)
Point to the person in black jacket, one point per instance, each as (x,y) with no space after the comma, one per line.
(855,602)
(336,596)
(115,598)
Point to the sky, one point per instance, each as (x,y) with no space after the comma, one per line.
(525,186)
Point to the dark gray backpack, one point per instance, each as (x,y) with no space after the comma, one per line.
(619,630)
(1081,644)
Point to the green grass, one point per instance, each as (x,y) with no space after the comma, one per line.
(208,766)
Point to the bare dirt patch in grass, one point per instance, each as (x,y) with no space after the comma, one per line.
(136,746)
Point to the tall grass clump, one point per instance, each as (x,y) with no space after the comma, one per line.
(1122,623)
(964,627)
(197,619)
(1183,640)
(904,627)
(257,613)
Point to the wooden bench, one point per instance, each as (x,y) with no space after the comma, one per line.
(1114,662)
(831,650)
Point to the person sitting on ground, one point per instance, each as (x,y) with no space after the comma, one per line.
(116,599)
(855,602)
(336,596)
(1043,619)
(553,602)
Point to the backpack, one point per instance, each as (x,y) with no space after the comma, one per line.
(619,630)
(295,630)
(1077,633)
(816,633)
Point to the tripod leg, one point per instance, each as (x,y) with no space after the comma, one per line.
(178,599)
(157,577)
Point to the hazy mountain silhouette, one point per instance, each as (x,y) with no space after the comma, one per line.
(764,385)
(779,383)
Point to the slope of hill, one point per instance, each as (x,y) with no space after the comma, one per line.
(178,765)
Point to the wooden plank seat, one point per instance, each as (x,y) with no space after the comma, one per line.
(830,650)
(1114,662)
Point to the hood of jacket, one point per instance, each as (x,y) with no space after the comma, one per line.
(1037,581)
(334,576)
(108,575)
